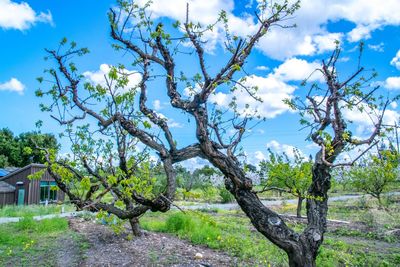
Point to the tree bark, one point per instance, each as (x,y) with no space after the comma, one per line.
(134,222)
(301,257)
(299,204)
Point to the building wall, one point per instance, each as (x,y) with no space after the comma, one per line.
(32,187)
(7,198)
(20,177)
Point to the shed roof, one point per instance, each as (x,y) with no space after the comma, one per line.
(6,188)
(7,170)
(3,172)
(22,169)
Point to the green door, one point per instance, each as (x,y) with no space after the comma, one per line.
(21,197)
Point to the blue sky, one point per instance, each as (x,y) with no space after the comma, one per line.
(280,62)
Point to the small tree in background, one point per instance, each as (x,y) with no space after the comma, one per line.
(290,176)
(376,174)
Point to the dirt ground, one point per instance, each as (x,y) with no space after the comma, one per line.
(152,249)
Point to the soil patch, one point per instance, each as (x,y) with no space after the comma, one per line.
(69,253)
(152,249)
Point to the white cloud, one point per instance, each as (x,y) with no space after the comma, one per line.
(13,85)
(99,77)
(260,131)
(392,83)
(205,13)
(361,32)
(396,60)
(279,148)
(308,38)
(272,89)
(298,69)
(157,104)
(194,163)
(264,68)
(171,122)
(311,35)
(20,16)
(190,92)
(377,47)
(366,120)
(174,124)
(313,16)
(259,156)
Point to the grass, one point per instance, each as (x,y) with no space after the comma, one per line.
(30,242)
(33,210)
(232,232)
(200,228)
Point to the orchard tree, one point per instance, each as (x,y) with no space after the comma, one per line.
(106,159)
(285,175)
(218,132)
(376,174)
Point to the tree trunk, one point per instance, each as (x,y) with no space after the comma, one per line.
(135,226)
(301,259)
(299,204)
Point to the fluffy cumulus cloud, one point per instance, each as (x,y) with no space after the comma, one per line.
(13,85)
(396,60)
(311,35)
(377,47)
(205,13)
(366,120)
(259,156)
(157,104)
(20,16)
(171,122)
(392,83)
(272,89)
(279,148)
(194,163)
(101,76)
(263,68)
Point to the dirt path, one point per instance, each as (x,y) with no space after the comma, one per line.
(153,249)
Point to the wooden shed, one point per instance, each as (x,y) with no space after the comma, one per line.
(43,190)
(7,194)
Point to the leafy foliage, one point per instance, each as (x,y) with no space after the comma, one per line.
(21,150)
(376,173)
(294,177)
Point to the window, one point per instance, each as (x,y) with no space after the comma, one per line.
(48,191)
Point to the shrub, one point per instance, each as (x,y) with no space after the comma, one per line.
(226,196)
(179,222)
(26,223)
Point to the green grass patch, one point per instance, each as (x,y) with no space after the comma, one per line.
(28,241)
(33,210)
(232,233)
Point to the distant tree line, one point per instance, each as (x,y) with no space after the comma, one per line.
(20,150)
